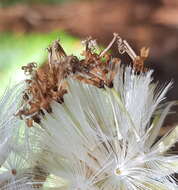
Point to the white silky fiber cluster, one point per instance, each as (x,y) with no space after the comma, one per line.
(98,139)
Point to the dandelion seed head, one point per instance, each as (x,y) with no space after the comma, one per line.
(90,122)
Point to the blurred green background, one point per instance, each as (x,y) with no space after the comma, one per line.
(17,50)
(13,2)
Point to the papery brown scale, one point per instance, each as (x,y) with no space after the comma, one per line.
(48,82)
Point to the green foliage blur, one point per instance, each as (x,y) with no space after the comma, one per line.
(16,50)
(13,2)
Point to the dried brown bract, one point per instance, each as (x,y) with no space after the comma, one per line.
(48,83)
(138,62)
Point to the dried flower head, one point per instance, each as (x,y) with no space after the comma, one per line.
(93,124)
(48,83)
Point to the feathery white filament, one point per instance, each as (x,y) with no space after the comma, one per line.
(98,139)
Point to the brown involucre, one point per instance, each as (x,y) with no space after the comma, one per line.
(48,83)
